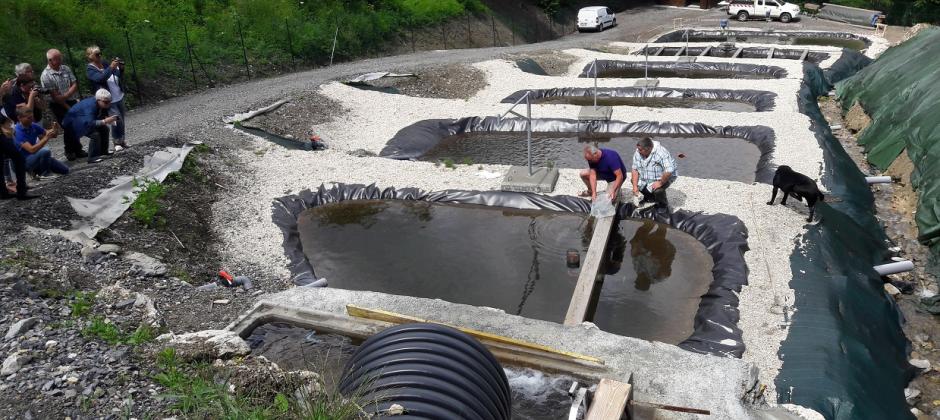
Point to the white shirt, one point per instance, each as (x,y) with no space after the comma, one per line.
(115,88)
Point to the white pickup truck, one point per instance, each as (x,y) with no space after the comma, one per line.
(761,9)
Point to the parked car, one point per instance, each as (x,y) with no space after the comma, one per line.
(761,9)
(595,18)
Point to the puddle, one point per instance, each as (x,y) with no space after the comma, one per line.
(730,159)
(535,395)
(508,259)
(707,104)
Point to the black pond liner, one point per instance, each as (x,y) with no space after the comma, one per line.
(724,236)
(845,355)
(698,35)
(665,69)
(412,142)
(276,139)
(749,52)
(761,100)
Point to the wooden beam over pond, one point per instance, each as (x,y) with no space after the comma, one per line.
(591,264)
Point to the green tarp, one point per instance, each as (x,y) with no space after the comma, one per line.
(900,91)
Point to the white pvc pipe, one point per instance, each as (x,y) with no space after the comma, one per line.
(894,268)
(878,179)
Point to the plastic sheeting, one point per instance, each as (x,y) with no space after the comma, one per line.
(849,63)
(762,100)
(848,14)
(748,52)
(698,35)
(845,355)
(414,141)
(899,92)
(607,67)
(724,236)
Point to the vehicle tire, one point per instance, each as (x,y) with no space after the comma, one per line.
(600,27)
(785,18)
(742,16)
(614,23)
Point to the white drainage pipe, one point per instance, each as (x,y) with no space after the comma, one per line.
(894,267)
(878,179)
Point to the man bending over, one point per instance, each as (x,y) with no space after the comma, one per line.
(654,170)
(604,164)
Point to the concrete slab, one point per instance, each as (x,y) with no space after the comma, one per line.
(662,373)
(647,83)
(686,59)
(542,180)
(592,113)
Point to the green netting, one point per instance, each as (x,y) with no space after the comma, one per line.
(900,93)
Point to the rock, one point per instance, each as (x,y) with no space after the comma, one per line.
(145,265)
(125,303)
(920,363)
(14,363)
(22,288)
(395,410)
(21,327)
(51,344)
(149,313)
(911,395)
(109,249)
(891,290)
(65,279)
(70,393)
(90,254)
(206,345)
(221,302)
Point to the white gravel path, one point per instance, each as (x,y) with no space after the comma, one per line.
(376,117)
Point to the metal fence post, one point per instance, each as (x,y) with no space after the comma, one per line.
(333,51)
(290,44)
(469,40)
(241,37)
(130,53)
(493,21)
(443,35)
(68,50)
(189,52)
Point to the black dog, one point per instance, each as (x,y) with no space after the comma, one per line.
(801,186)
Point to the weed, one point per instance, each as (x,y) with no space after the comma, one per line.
(449,163)
(143,334)
(480,168)
(467,161)
(82,303)
(104,330)
(146,207)
(551,164)
(182,275)
(201,148)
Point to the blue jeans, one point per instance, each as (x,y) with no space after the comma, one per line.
(42,163)
(117,130)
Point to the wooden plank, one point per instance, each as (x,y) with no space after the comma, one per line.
(804,55)
(705,52)
(380,315)
(770,54)
(591,264)
(610,400)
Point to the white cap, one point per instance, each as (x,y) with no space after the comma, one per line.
(103,95)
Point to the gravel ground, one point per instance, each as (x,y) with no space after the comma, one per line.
(238,235)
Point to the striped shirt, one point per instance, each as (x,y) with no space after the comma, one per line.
(654,166)
(59,80)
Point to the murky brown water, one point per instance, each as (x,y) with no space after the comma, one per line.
(730,159)
(708,104)
(508,259)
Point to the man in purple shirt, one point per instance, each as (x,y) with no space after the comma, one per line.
(604,164)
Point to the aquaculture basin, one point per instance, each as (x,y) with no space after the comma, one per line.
(707,104)
(726,158)
(535,395)
(729,51)
(831,39)
(741,100)
(687,70)
(509,259)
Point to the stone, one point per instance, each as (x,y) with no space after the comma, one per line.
(109,249)
(90,254)
(892,290)
(205,345)
(70,393)
(21,327)
(221,302)
(911,395)
(14,363)
(920,363)
(145,265)
(125,303)
(149,313)
(51,344)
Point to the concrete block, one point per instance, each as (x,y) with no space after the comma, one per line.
(542,180)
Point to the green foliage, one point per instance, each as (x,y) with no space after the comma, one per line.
(101,329)
(467,161)
(900,12)
(81,304)
(449,163)
(143,334)
(146,207)
(159,33)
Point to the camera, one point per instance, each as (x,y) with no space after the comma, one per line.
(42,90)
(119,60)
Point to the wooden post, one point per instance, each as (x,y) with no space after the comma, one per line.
(610,400)
(189,52)
(244,50)
(584,289)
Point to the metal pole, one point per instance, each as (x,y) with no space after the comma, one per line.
(469,41)
(687,43)
(189,52)
(290,44)
(130,53)
(595,83)
(528,113)
(68,50)
(413,49)
(512,29)
(333,51)
(244,50)
(493,21)
(443,36)
(646,67)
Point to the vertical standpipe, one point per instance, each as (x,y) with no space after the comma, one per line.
(595,83)
(646,67)
(528,131)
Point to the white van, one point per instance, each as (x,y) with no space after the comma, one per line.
(595,18)
(761,9)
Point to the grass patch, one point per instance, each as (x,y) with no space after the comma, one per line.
(449,163)
(18,258)
(143,334)
(146,207)
(81,304)
(197,392)
(102,329)
(467,161)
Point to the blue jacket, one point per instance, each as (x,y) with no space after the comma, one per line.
(81,117)
(99,78)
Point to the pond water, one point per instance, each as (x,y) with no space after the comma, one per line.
(651,102)
(679,70)
(509,259)
(730,159)
(850,43)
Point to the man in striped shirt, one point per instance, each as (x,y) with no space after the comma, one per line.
(653,171)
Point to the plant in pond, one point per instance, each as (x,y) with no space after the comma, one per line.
(146,206)
(449,163)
